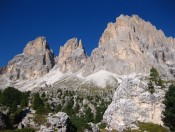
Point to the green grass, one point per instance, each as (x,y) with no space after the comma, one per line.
(149,127)
(39,119)
(104,130)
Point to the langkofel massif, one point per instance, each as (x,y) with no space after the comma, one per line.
(118,71)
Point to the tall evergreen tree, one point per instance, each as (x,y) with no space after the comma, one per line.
(169,113)
(154,74)
(37,101)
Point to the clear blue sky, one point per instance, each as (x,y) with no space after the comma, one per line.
(59,20)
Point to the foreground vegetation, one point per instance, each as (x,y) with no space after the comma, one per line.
(148,127)
(80,108)
(77,107)
(14,101)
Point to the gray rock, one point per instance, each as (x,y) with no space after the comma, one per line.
(20,126)
(28,120)
(4,109)
(46,129)
(131,45)
(132,102)
(36,60)
(2,70)
(72,56)
(59,121)
(94,127)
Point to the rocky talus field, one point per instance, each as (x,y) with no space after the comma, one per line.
(120,87)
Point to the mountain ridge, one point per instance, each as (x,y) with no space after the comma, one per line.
(122,48)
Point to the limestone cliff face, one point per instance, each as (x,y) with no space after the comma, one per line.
(132,102)
(132,45)
(36,60)
(72,56)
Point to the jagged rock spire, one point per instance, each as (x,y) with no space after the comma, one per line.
(72,56)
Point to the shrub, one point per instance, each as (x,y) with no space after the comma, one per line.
(12,97)
(37,101)
(102,126)
(79,123)
(89,117)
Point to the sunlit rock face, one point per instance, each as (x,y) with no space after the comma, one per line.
(131,45)
(72,56)
(36,60)
(133,102)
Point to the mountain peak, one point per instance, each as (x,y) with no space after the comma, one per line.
(36,46)
(132,45)
(37,59)
(72,55)
(129,45)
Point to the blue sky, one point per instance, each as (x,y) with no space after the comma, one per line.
(59,20)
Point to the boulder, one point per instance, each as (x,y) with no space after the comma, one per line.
(133,102)
(59,122)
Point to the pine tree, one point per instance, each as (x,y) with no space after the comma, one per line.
(154,75)
(169,113)
(37,102)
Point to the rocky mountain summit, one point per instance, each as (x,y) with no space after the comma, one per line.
(72,56)
(126,52)
(36,60)
(132,45)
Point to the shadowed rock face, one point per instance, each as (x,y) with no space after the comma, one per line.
(3,121)
(2,70)
(132,45)
(36,60)
(72,56)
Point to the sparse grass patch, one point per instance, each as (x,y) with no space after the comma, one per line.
(148,127)
(151,127)
(39,119)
